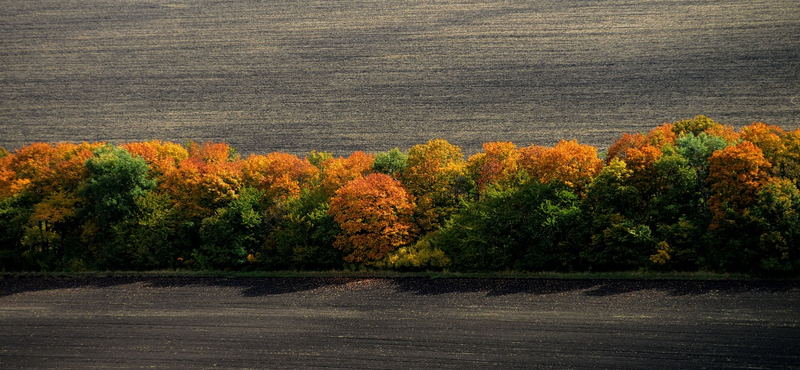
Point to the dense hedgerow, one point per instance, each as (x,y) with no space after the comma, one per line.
(690,195)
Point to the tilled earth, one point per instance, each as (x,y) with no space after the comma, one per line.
(346,75)
(379,323)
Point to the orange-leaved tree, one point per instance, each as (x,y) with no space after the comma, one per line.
(768,138)
(619,149)
(208,179)
(569,162)
(374,214)
(736,174)
(662,136)
(278,175)
(336,172)
(787,161)
(42,168)
(162,156)
(639,155)
(498,164)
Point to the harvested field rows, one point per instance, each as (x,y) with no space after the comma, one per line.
(370,75)
(405,323)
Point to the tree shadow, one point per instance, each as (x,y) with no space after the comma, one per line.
(255,287)
(250,287)
(590,287)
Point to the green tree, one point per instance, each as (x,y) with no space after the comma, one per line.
(304,236)
(234,232)
(531,227)
(778,213)
(14,214)
(153,236)
(116,180)
(617,218)
(392,163)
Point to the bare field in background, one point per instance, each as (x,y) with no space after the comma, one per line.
(370,75)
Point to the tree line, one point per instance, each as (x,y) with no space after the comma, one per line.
(686,196)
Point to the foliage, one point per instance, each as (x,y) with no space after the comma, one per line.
(736,175)
(304,236)
(206,180)
(374,214)
(337,172)
(531,227)
(115,180)
(234,232)
(278,175)
(497,165)
(435,175)
(686,196)
(417,257)
(392,163)
(569,162)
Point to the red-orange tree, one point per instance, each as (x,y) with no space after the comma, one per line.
(736,175)
(374,214)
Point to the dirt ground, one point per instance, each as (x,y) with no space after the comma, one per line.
(399,323)
(347,75)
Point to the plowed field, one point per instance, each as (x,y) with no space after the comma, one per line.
(401,323)
(346,75)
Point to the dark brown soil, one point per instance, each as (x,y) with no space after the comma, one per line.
(346,75)
(400,323)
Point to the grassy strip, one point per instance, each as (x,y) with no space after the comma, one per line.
(699,276)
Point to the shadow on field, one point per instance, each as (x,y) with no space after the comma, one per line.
(591,287)
(255,287)
(251,287)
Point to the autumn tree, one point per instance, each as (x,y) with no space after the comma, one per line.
(374,214)
(435,175)
(337,172)
(768,138)
(786,162)
(498,164)
(278,175)
(662,136)
(736,175)
(208,179)
(619,148)
(569,162)
(162,157)
(49,176)
(41,168)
